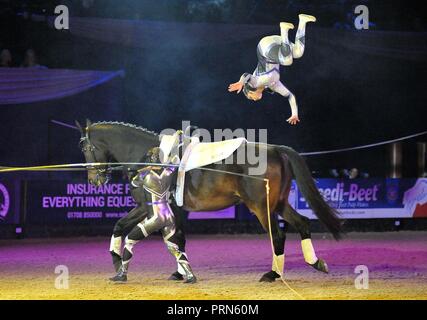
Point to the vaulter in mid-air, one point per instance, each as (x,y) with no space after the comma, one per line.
(272,52)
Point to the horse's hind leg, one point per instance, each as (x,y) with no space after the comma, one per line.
(302,225)
(278,263)
(278,236)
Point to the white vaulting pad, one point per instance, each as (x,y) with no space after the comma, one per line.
(205,153)
(199,154)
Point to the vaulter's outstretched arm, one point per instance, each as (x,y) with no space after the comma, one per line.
(282,90)
(260,82)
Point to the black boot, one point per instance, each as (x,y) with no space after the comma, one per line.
(189,276)
(120,277)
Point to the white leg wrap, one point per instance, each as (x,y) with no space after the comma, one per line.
(116,244)
(278,264)
(308,251)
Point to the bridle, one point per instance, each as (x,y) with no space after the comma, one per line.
(88,147)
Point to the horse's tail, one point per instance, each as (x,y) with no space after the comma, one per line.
(327,215)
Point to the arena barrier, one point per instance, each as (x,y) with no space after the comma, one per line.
(76,202)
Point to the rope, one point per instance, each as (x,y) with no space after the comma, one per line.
(363,146)
(58,169)
(66,125)
(267,191)
(312,153)
(73,166)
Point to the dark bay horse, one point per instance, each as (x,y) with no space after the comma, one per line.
(210,190)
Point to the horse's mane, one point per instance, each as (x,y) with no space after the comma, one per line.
(124,124)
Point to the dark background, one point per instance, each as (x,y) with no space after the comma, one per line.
(346,98)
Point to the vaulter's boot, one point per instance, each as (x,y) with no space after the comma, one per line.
(189,276)
(306,18)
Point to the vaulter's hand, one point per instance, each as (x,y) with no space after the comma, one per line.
(293,120)
(237,86)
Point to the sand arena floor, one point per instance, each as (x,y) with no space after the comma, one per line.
(228,267)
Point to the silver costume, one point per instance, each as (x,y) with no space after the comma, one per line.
(157,191)
(156,183)
(273,51)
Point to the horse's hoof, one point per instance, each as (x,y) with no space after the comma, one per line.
(117,261)
(269,276)
(176,276)
(321,265)
(192,279)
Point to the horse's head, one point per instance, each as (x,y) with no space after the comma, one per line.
(94,153)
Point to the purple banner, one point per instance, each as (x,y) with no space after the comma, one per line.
(57,202)
(61,201)
(9,202)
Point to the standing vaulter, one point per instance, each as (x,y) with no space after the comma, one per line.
(156,183)
(273,51)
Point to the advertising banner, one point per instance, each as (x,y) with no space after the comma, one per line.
(9,202)
(369,198)
(57,202)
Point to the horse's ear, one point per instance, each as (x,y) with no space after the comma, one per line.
(79,127)
(88,123)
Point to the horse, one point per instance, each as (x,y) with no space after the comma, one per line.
(209,190)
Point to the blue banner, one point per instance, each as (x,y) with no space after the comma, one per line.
(369,198)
